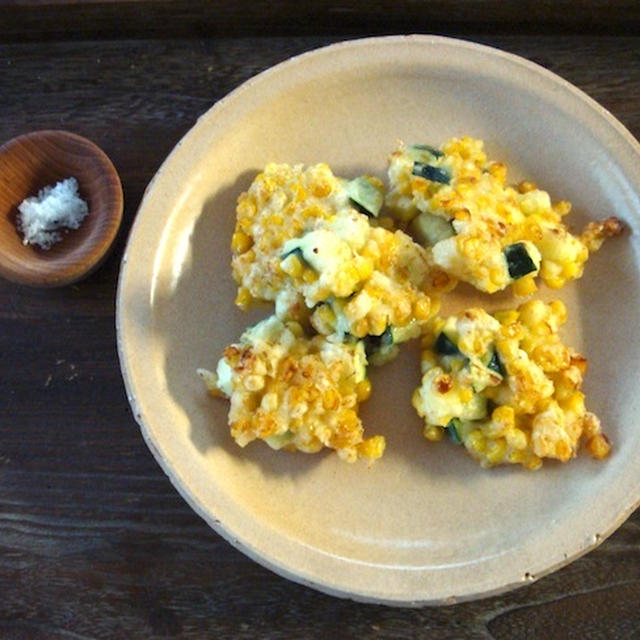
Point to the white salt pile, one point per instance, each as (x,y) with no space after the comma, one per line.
(54,208)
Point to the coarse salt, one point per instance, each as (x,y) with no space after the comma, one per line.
(56,207)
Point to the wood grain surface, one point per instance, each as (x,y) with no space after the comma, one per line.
(94,540)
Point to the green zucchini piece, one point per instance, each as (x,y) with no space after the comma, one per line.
(279,441)
(298,253)
(495,364)
(374,344)
(519,261)
(429,229)
(444,346)
(436,153)
(435,174)
(366,197)
(452,430)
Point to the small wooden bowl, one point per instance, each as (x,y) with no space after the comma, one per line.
(34,160)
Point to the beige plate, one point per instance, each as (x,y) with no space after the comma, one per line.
(425,525)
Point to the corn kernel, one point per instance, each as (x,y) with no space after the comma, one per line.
(240,242)
(365,268)
(476,441)
(562,208)
(525,286)
(244,298)
(507,317)
(309,276)
(526,185)
(433,433)
(292,266)
(563,451)
(330,399)
(559,310)
(363,390)
(532,463)
(598,446)
(496,450)
(377,325)
(422,309)
(372,448)
(360,328)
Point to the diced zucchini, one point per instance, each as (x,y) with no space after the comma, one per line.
(374,344)
(452,430)
(475,409)
(519,262)
(381,349)
(444,346)
(435,174)
(408,332)
(436,153)
(281,440)
(366,196)
(428,229)
(495,364)
(297,251)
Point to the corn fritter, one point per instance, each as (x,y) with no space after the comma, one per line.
(506,387)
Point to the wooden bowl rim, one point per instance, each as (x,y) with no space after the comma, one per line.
(61,273)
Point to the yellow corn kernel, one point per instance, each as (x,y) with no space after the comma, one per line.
(575,403)
(517,439)
(466,395)
(504,414)
(476,441)
(363,390)
(496,450)
(562,208)
(498,171)
(525,286)
(571,270)
(433,433)
(330,399)
(377,325)
(295,328)
(507,317)
(292,266)
(309,276)
(325,315)
(533,313)
(559,310)
(555,282)
(372,448)
(320,188)
(240,242)
(462,214)
(422,309)
(245,225)
(360,328)
(274,220)
(563,451)
(526,185)
(598,446)
(364,267)
(244,298)
(532,462)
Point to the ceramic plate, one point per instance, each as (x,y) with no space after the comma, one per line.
(425,524)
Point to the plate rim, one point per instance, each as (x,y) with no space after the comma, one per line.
(207,514)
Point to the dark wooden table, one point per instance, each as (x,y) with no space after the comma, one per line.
(94,540)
